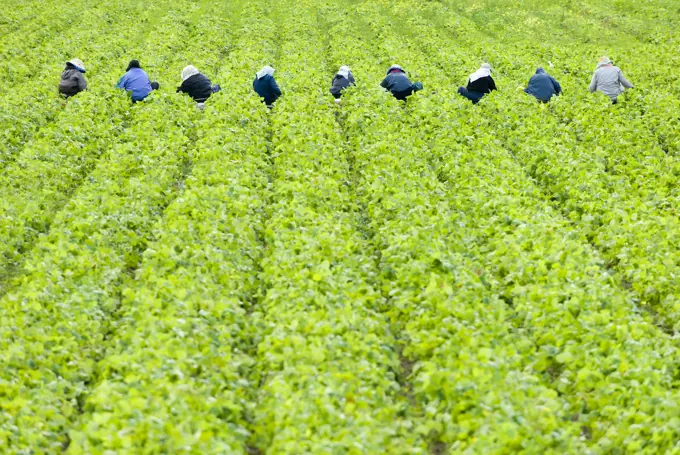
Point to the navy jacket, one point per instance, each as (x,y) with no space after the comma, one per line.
(482,85)
(267,88)
(340,83)
(543,86)
(198,87)
(396,81)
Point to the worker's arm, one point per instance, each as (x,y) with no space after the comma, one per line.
(593,84)
(275,88)
(625,82)
(558,87)
(82,83)
(121,81)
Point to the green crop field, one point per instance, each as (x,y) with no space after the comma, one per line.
(375,277)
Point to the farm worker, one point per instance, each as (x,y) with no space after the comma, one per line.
(72,79)
(398,84)
(543,86)
(479,84)
(343,79)
(196,85)
(136,82)
(609,80)
(265,85)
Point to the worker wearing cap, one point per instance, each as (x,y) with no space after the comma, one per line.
(72,79)
(398,84)
(609,79)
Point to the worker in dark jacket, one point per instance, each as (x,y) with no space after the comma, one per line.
(543,86)
(72,79)
(479,84)
(136,82)
(265,85)
(398,83)
(196,85)
(341,81)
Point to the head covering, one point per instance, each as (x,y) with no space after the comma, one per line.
(540,70)
(133,64)
(344,72)
(483,71)
(395,67)
(189,71)
(604,61)
(267,70)
(77,64)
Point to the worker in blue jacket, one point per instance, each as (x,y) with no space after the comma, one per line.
(398,84)
(543,86)
(265,85)
(136,81)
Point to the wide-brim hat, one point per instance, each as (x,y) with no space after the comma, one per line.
(78,64)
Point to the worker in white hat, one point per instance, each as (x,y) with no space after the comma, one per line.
(609,80)
(479,84)
(72,79)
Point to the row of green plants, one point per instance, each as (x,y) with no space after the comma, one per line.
(177,374)
(611,173)
(64,307)
(41,174)
(327,362)
(578,304)
(374,277)
(32,61)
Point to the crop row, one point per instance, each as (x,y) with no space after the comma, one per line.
(176,375)
(326,359)
(60,315)
(34,61)
(612,174)
(509,241)
(54,163)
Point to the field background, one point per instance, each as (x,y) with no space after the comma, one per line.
(426,278)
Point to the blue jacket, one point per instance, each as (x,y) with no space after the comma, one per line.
(396,81)
(543,86)
(137,82)
(267,88)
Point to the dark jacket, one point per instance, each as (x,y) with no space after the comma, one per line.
(137,82)
(197,86)
(482,85)
(340,83)
(72,81)
(543,86)
(396,81)
(267,88)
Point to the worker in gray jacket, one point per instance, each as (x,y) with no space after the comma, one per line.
(609,80)
(72,79)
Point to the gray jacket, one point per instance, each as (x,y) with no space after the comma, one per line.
(610,81)
(72,82)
